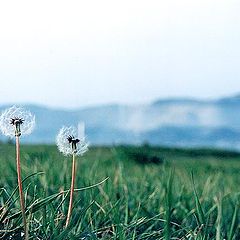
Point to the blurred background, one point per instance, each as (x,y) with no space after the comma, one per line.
(134,72)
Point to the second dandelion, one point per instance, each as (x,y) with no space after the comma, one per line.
(69,143)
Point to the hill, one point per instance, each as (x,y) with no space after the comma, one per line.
(171,122)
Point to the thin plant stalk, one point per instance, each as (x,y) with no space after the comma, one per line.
(72,189)
(21,195)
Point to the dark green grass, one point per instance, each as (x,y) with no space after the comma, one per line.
(187,194)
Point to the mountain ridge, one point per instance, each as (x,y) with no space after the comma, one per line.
(173,122)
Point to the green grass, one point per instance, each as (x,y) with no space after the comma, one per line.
(181,194)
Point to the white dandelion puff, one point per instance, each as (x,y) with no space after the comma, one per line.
(16,121)
(68,142)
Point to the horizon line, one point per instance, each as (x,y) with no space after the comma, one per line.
(113,103)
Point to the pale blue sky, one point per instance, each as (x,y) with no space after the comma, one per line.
(80,53)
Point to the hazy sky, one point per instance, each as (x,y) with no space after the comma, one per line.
(79,53)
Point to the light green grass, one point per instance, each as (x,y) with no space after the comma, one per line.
(193,194)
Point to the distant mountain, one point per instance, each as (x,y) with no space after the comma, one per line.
(173,122)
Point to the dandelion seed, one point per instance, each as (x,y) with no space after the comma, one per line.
(69,144)
(16,121)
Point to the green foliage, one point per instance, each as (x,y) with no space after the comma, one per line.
(189,194)
(143,155)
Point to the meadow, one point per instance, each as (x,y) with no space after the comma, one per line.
(123,193)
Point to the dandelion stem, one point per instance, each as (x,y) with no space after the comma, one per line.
(72,189)
(20,188)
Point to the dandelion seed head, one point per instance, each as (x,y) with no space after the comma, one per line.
(68,142)
(16,115)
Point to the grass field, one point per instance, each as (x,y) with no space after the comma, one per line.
(150,193)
